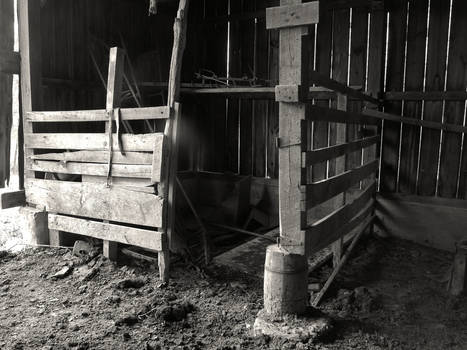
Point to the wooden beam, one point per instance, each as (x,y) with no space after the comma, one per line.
(118,170)
(96,201)
(116,233)
(99,115)
(136,158)
(136,143)
(9,62)
(291,93)
(292,15)
(424,123)
(29,16)
(324,190)
(316,113)
(425,96)
(12,199)
(322,80)
(323,154)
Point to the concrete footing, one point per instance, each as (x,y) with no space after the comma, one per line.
(309,326)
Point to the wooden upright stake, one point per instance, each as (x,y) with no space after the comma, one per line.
(114,93)
(167,189)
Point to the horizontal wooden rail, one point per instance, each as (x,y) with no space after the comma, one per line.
(425,96)
(322,80)
(99,115)
(116,233)
(137,143)
(327,153)
(330,228)
(96,201)
(319,192)
(9,62)
(135,158)
(418,122)
(362,219)
(316,113)
(118,170)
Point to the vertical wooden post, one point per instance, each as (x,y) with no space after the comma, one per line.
(341,136)
(114,93)
(29,14)
(6,83)
(286,268)
(167,189)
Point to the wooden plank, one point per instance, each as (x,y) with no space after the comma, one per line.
(329,228)
(148,113)
(452,161)
(428,221)
(11,199)
(453,128)
(324,190)
(292,15)
(292,70)
(323,154)
(136,158)
(316,113)
(116,233)
(118,170)
(414,79)
(428,95)
(9,61)
(364,216)
(29,14)
(135,143)
(96,201)
(395,77)
(321,80)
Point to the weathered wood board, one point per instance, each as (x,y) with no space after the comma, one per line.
(116,233)
(96,201)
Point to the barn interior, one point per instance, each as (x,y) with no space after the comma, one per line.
(360,132)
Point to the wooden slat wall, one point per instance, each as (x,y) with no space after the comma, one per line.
(6,81)
(417,160)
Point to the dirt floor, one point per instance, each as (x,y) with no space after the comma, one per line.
(391,295)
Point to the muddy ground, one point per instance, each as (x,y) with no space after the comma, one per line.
(391,295)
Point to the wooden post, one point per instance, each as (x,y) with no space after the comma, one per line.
(167,188)
(6,83)
(341,136)
(286,266)
(114,93)
(29,14)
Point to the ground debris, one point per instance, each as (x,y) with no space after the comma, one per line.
(128,283)
(62,273)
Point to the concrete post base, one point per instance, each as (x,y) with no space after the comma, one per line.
(309,326)
(36,231)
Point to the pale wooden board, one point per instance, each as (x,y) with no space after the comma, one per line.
(136,158)
(292,15)
(321,191)
(434,222)
(122,234)
(138,143)
(330,226)
(316,113)
(316,243)
(99,115)
(323,154)
(118,170)
(142,184)
(96,201)
(9,62)
(11,199)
